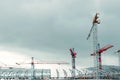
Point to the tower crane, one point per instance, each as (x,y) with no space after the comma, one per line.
(100,51)
(33,65)
(73,54)
(118,52)
(93,29)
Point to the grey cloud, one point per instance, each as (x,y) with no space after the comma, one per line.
(53,26)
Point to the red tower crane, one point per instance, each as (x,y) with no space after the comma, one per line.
(73,54)
(101,50)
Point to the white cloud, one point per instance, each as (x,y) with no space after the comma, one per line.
(8,58)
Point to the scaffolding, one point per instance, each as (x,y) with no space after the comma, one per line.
(24,74)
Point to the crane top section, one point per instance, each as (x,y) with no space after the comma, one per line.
(96,19)
(73,53)
(103,49)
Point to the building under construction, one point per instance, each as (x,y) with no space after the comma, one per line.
(108,72)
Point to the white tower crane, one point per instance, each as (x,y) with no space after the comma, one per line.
(33,65)
(95,42)
(118,52)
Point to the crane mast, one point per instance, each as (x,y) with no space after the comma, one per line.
(73,54)
(95,49)
(99,58)
(95,43)
(118,51)
(32,68)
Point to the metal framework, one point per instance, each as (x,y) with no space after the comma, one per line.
(118,52)
(95,43)
(100,51)
(73,54)
(24,73)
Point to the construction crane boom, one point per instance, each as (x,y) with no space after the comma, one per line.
(44,62)
(95,20)
(90,32)
(33,65)
(103,49)
(99,54)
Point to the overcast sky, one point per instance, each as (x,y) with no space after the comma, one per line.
(46,29)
